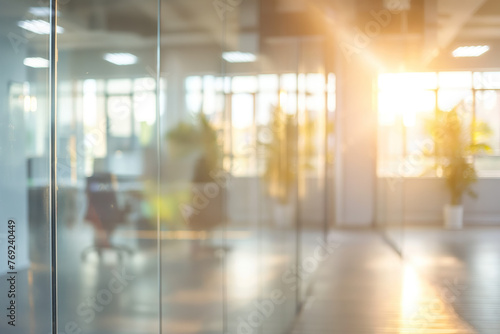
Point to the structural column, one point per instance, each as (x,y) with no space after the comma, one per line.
(356,125)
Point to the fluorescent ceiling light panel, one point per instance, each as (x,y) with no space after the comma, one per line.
(470,51)
(239,57)
(40,27)
(36,62)
(41,11)
(120,58)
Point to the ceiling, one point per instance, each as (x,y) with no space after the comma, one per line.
(128,24)
(478,25)
(433,29)
(483,25)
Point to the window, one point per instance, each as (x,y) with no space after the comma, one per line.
(407,100)
(252,99)
(118,116)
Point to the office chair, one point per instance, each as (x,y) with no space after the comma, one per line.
(104,213)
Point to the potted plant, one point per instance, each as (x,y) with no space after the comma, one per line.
(455,144)
(280,156)
(204,186)
(200,140)
(183,140)
(285,156)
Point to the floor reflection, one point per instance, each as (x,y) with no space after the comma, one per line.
(429,309)
(366,288)
(203,276)
(447,285)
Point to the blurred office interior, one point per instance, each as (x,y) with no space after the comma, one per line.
(249,166)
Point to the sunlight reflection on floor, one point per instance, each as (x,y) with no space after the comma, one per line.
(427,309)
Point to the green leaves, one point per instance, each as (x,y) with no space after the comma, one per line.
(198,136)
(281,153)
(455,144)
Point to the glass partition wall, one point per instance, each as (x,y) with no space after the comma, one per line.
(107,167)
(316,86)
(25,180)
(164,164)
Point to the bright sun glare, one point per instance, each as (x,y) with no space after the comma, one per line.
(404,95)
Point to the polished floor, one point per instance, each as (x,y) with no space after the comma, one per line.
(448,283)
(465,265)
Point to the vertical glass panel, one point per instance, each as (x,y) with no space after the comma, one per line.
(194,186)
(176,203)
(107,240)
(24,168)
(311,164)
(276,118)
(243,263)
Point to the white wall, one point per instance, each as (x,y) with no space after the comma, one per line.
(424,199)
(420,201)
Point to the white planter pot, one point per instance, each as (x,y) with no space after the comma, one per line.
(453,216)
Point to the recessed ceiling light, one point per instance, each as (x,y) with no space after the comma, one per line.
(36,62)
(120,58)
(470,51)
(40,27)
(41,11)
(239,57)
